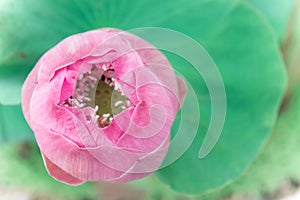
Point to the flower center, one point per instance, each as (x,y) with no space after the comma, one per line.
(98,88)
(109,100)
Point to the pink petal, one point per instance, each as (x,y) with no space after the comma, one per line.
(90,134)
(27,91)
(45,111)
(70,50)
(144,122)
(182,89)
(60,174)
(131,161)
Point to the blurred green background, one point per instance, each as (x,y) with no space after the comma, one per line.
(256,47)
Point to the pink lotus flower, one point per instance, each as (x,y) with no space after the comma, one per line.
(101,105)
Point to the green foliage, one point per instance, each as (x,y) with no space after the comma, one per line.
(277,12)
(13,126)
(22,167)
(278,161)
(11,81)
(253,74)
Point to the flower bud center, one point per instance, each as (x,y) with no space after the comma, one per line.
(98,88)
(110,101)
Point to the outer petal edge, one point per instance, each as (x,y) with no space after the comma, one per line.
(59,174)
